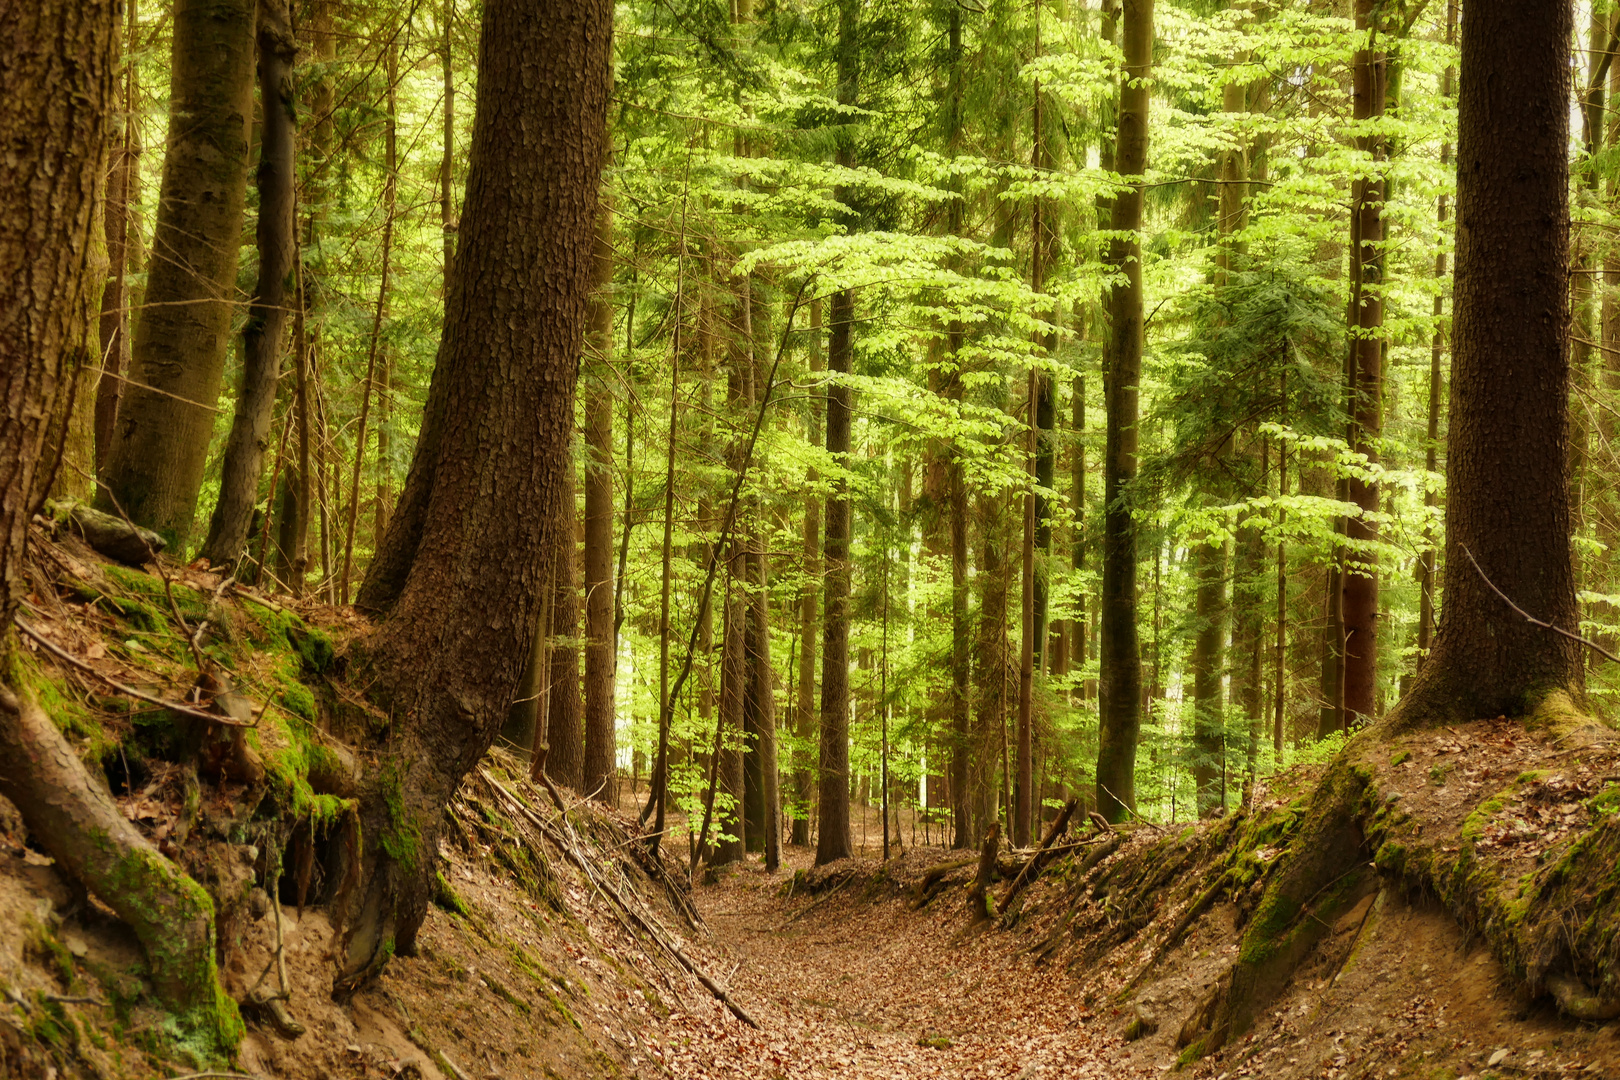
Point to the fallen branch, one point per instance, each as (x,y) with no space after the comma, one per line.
(646,925)
(1042,856)
(129,691)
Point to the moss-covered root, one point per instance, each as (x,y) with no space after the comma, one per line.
(83,830)
(1325,874)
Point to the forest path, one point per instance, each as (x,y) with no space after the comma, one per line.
(849,986)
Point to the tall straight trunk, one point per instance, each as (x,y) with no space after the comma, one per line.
(809,594)
(1360,576)
(990,659)
(733,690)
(565,760)
(1022,794)
(123,231)
(761,676)
(166,417)
(488,470)
(1121,661)
(1507,503)
(600,751)
(264,336)
(1279,668)
(1608,505)
(1209,671)
(833,837)
(60,62)
(658,790)
(1437,385)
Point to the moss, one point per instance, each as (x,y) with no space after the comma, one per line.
(1400,757)
(1473,826)
(446,897)
(401,840)
(1391,857)
(500,991)
(1193,1052)
(562,1010)
(43,944)
(1439,771)
(1606,801)
(1531,776)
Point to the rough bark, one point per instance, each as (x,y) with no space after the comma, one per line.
(1023,780)
(1209,672)
(266,330)
(1121,660)
(60,64)
(166,417)
(565,709)
(123,247)
(488,473)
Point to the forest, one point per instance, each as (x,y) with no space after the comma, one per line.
(1115,496)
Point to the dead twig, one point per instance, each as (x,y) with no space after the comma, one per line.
(1594,646)
(129,691)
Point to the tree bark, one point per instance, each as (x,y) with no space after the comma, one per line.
(488,472)
(166,417)
(565,707)
(60,62)
(1360,576)
(1507,503)
(1121,660)
(599,633)
(1209,672)
(1023,802)
(805,726)
(123,247)
(265,334)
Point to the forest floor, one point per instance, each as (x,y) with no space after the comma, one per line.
(556,950)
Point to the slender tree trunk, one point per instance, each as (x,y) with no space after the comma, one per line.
(123,246)
(1022,795)
(599,587)
(487,475)
(166,416)
(1360,576)
(385,360)
(1437,351)
(1121,671)
(803,786)
(733,688)
(447,166)
(265,334)
(1209,672)
(565,708)
(833,837)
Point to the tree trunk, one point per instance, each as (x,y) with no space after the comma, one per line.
(1209,672)
(1507,512)
(60,61)
(1360,576)
(1507,503)
(1437,350)
(1121,661)
(488,472)
(733,689)
(565,708)
(166,417)
(1022,795)
(265,334)
(123,247)
(447,166)
(805,726)
(833,837)
(599,634)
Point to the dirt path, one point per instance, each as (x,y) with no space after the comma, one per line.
(857,988)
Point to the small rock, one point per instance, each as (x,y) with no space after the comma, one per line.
(1498,1057)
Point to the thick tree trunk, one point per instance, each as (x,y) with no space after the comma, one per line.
(600,662)
(488,473)
(166,417)
(1507,509)
(266,330)
(1507,503)
(60,60)
(1121,661)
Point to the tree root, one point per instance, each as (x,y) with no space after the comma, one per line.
(78,823)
